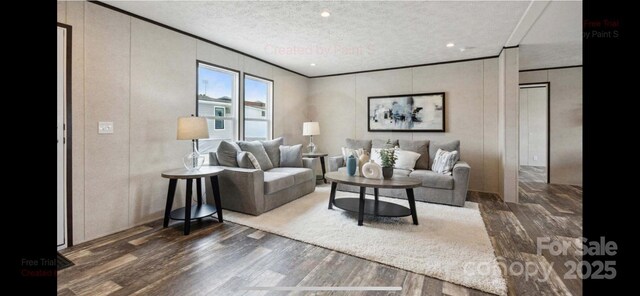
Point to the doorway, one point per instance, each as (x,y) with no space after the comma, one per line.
(533,162)
(63,129)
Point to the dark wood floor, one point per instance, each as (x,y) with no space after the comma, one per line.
(528,173)
(220,259)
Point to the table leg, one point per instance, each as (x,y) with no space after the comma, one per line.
(412,205)
(170,194)
(323,169)
(375,205)
(216,196)
(332,196)
(361,207)
(187,208)
(199,188)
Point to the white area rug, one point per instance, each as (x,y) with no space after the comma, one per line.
(450,243)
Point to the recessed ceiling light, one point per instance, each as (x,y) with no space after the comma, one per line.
(312,65)
(450,44)
(325,14)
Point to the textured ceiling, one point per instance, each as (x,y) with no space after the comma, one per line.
(555,39)
(358,36)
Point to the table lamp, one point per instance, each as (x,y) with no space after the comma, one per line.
(311,129)
(193,128)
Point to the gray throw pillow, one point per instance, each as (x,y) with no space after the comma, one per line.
(422,147)
(291,156)
(256,148)
(227,152)
(355,144)
(447,146)
(382,143)
(273,150)
(247,160)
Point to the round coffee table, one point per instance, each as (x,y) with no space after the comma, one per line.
(374,207)
(200,210)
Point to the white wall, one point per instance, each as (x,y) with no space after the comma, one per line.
(339,103)
(508,108)
(142,77)
(565,138)
(533,126)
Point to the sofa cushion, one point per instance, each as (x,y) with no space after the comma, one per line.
(259,152)
(355,144)
(247,160)
(300,175)
(433,180)
(291,156)
(444,161)
(227,152)
(396,172)
(419,146)
(380,143)
(274,182)
(447,146)
(273,150)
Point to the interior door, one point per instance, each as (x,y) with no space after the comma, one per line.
(61,214)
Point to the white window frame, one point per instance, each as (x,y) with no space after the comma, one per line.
(269,106)
(235,104)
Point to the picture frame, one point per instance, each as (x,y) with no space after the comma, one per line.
(423,112)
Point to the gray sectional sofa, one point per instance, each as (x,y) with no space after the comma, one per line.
(253,191)
(436,188)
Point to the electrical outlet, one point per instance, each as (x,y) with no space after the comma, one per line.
(105,127)
(535,157)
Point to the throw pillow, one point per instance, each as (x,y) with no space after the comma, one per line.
(256,148)
(406,159)
(247,160)
(348,151)
(227,152)
(355,144)
(380,143)
(418,146)
(375,155)
(291,156)
(447,146)
(444,162)
(273,150)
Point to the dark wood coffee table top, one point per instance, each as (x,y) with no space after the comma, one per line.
(397,182)
(183,173)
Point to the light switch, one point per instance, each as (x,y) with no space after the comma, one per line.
(105,127)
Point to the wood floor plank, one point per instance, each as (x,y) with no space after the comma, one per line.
(222,258)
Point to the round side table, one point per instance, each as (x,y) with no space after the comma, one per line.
(321,156)
(199,210)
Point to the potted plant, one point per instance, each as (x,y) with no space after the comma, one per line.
(388,157)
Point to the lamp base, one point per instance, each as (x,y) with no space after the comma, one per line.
(311,147)
(193,161)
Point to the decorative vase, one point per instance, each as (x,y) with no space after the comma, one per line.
(351,165)
(387,172)
(364,158)
(372,170)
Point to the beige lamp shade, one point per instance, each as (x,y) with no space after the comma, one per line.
(310,128)
(191,128)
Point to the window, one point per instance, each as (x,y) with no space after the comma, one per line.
(217,100)
(258,98)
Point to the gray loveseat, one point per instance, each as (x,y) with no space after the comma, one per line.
(253,191)
(436,188)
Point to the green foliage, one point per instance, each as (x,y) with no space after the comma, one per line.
(388,155)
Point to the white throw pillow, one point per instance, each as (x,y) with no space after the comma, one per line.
(406,159)
(375,155)
(348,151)
(444,161)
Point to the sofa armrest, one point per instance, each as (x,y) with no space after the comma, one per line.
(309,163)
(461,171)
(241,190)
(335,162)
